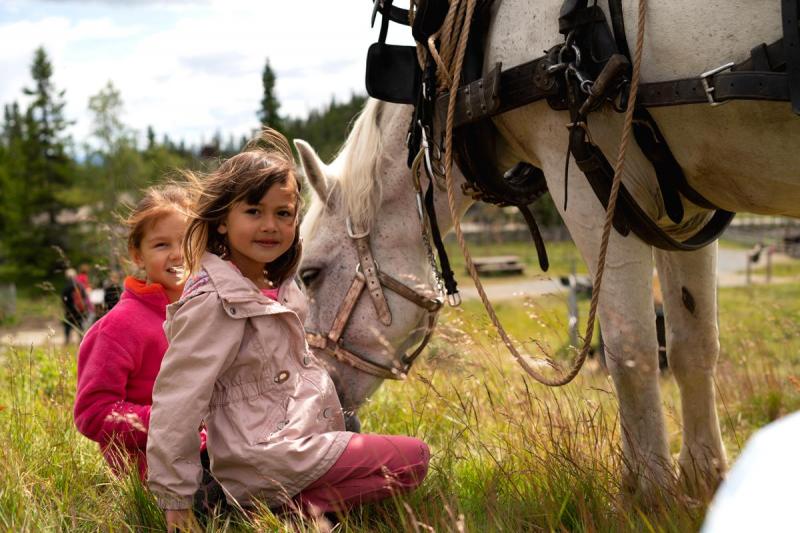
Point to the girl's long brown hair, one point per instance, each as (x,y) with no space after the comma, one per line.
(265,161)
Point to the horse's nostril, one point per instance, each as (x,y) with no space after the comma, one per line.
(308,275)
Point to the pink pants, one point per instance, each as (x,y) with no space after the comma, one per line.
(372,467)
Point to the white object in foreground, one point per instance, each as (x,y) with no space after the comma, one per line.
(760,492)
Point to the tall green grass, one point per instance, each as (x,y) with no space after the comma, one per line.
(508,454)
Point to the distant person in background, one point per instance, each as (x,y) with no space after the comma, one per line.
(83,279)
(74,300)
(83,276)
(112,291)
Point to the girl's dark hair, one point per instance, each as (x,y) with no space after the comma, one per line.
(245,177)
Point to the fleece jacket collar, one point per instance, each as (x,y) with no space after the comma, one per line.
(151,294)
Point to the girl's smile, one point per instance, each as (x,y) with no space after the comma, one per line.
(258,234)
(160,253)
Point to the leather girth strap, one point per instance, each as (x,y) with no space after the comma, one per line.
(529,82)
(791,47)
(628,216)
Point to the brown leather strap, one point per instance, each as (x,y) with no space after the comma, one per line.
(791,48)
(739,85)
(338,352)
(346,308)
(529,82)
(331,343)
(408,360)
(764,57)
(429,304)
(500,91)
(370,270)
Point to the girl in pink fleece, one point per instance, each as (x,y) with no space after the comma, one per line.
(121,354)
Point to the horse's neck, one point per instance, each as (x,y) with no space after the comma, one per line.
(399,183)
(441,202)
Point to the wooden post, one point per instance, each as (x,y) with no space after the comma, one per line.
(748,261)
(770,250)
(572,308)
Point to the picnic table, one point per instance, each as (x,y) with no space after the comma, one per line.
(498,265)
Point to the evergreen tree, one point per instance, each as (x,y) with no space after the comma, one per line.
(32,250)
(151,138)
(268,114)
(12,172)
(326,129)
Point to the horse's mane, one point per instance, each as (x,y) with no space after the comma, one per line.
(352,175)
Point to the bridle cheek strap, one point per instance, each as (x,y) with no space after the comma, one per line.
(370,269)
(331,343)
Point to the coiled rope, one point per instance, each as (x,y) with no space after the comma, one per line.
(449,58)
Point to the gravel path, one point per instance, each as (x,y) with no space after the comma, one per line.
(730,266)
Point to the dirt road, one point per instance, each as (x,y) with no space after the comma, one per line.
(731,264)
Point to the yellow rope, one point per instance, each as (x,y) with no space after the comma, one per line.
(466,9)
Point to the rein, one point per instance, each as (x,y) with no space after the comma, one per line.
(369,275)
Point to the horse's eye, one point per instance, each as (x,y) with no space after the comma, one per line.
(308,275)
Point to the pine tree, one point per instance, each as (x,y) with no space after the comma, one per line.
(48,172)
(268,114)
(151,138)
(12,172)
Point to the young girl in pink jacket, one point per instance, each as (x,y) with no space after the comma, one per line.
(120,355)
(238,361)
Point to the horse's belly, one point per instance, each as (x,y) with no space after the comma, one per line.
(743,156)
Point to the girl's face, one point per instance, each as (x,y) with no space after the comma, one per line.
(160,253)
(260,233)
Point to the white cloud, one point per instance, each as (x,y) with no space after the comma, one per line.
(192,70)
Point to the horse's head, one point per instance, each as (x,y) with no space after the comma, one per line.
(368,185)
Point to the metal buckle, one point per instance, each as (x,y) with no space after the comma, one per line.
(351,233)
(420,209)
(709,88)
(377,267)
(426,150)
(454,300)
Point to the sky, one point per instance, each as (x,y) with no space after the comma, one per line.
(190,68)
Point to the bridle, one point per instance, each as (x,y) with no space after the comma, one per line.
(370,276)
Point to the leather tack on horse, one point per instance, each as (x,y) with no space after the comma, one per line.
(772,73)
(369,275)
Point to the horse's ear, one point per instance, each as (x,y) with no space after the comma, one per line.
(314,168)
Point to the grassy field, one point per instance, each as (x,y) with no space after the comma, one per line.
(508,454)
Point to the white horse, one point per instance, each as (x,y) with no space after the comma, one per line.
(742,156)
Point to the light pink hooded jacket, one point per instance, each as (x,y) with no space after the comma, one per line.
(238,360)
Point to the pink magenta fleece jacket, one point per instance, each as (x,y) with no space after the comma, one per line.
(118,362)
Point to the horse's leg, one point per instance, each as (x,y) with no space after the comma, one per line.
(628,320)
(688,280)
(536,134)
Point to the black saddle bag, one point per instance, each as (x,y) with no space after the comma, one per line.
(393,74)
